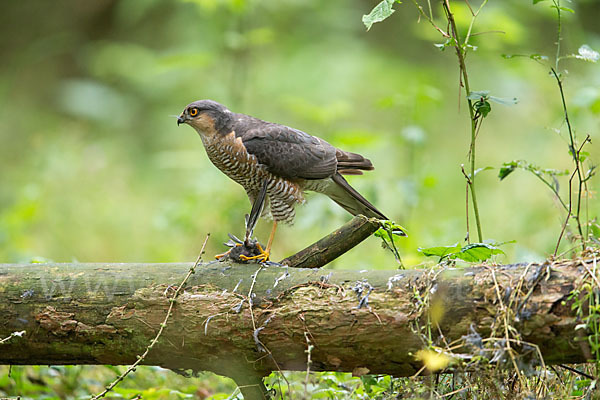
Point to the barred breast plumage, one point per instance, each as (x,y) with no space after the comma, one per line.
(229,154)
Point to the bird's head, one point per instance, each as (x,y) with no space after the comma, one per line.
(207,117)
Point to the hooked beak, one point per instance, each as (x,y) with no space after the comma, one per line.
(180,120)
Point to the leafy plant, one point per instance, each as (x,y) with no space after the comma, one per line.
(472,252)
(579,177)
(389,232)
(478,101)
(379,13)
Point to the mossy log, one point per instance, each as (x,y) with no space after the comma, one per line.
(361,321)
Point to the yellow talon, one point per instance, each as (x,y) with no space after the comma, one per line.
(219,256)
(263,256)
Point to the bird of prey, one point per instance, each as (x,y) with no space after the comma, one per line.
(276,164)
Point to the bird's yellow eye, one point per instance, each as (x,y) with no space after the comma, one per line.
(193,112)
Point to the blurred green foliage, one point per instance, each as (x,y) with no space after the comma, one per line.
(94,168)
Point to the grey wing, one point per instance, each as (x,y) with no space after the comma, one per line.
(290,153)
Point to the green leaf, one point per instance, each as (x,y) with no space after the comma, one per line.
(582,154)
(440,251)
(475,252)
(507,169)
(537,1)
(567,9)
(379,13)
(388,226)
(595,228)
(478,170)
(483,107)
(448,43)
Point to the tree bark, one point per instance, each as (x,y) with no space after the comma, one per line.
(362,322)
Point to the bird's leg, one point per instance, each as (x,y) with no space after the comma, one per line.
(257,208)
(219,256)
(271,237)
(264,254)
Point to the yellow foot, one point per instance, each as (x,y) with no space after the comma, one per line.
(219,256)
(262,257)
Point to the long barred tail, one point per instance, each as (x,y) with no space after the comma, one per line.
(340,191)
(352,163)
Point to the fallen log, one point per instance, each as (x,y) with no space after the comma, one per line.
(245,321)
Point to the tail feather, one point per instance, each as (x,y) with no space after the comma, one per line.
(349,199)
(352,163)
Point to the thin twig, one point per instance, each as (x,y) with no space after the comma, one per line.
(462,167)
(429,18)
(12,335)
(163,325)
(460,53)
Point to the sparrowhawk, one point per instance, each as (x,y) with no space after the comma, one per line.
(283,161)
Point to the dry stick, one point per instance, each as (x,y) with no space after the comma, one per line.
(12,335)
(133,366)
(335,244)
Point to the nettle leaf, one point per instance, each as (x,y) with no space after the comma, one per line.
(440,251)
(379,13)
(474,252)
(586,53)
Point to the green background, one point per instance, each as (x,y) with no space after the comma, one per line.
(93,167)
